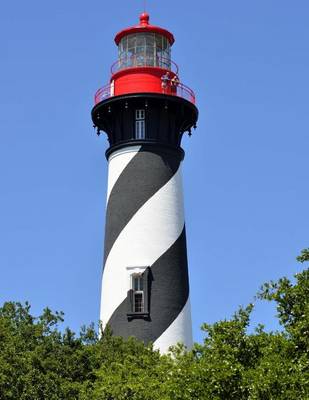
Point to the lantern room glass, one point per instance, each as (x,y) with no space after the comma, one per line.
(144,49)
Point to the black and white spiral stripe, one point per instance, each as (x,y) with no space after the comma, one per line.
(145,227)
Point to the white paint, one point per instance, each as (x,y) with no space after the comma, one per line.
(117,162)
(181,329)
(133,271)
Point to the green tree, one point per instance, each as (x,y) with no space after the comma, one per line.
(39,361)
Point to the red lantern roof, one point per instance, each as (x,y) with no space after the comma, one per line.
(144,26)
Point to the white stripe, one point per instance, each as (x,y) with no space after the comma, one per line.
(151,231)
(179,330)
(117,162)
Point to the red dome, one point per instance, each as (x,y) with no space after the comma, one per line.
(144,26)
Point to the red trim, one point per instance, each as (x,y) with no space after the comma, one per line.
(144,26)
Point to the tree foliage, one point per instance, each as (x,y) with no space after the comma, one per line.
(40,361)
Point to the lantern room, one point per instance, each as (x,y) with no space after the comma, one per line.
(144,49)
(144,45)
(144,64)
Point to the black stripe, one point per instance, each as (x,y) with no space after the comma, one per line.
(144,175)
(169,294)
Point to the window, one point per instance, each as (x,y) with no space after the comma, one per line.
(138,293)
(138,298)
(139,124)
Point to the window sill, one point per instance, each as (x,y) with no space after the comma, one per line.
(138,315)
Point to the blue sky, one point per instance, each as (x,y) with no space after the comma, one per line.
(246,166)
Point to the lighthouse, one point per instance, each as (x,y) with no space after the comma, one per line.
(144,110)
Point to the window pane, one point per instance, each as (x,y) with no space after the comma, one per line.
(139,60)
(131,41)
(150,56)
(149,37)
(158,42)
(138,302)
(140,40)
(137,282)
(140,114)
(140,129)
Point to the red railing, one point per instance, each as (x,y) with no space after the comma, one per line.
(144,61)
(179,90)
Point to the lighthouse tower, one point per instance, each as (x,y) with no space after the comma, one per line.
(145,110)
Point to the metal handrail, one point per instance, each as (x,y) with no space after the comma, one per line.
(144,61)
(178,89)
(185,92)
(103,93)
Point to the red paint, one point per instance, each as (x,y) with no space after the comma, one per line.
(133,76)
(144,26)
(140,79)
(126,87)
